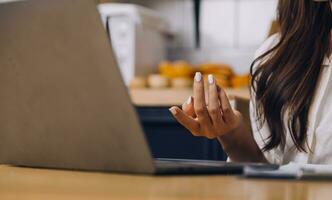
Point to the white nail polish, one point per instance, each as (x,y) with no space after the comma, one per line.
(189,101)
(210,79)
(198,76)
(173,111)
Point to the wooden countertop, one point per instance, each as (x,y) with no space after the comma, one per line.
(169,97)
(26,183)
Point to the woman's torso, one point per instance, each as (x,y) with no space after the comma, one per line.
(319,134)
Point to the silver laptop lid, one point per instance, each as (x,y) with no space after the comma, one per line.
(63,103)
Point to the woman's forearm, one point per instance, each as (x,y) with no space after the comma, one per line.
(241,146)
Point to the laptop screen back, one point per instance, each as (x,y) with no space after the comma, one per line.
(63,103)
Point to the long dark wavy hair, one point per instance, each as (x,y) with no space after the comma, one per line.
(284,78)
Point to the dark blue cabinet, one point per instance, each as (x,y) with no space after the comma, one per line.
(168,139)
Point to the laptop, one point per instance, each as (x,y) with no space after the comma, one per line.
(63,102)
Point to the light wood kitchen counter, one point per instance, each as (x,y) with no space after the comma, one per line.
(169,97)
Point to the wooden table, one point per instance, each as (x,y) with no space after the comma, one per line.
(26,183)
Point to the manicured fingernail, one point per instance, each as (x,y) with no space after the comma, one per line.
(173,110)
(198,76)
(189,100)
(210,79)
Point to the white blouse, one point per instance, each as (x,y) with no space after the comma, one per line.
(319,135)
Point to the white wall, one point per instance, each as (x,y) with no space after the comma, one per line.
(231,29)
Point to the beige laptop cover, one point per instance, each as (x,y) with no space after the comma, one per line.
(63,103)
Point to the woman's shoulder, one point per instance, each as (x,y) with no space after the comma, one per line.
(268,44)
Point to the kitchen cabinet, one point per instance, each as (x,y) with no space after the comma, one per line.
(166,137)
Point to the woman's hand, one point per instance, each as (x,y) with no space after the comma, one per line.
(218,120)
(213,120)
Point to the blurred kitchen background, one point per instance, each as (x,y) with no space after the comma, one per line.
(230,30)
(160,44)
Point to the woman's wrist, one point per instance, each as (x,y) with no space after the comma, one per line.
(240,145)
(231,139)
